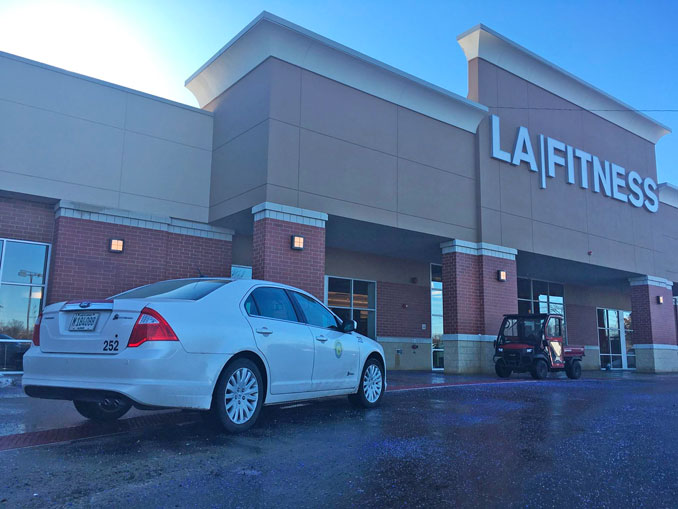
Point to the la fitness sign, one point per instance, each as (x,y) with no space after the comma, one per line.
(608,179)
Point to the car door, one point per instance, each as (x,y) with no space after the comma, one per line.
(554,339)
(337,355)
(286,343)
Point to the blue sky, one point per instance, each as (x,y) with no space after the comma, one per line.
(625,48)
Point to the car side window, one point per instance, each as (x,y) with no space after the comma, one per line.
(251,306)
(316,314)
(273,303)
(554,328)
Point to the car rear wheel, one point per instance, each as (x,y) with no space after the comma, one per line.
(574,370)
(107,410)
(540,370)
(239,396)
(371,388)
(502,370)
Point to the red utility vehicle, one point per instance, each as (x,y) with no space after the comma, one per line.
(534,343)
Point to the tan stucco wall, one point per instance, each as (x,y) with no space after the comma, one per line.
(656,360)
(401,355)
(469,356)
(564,220)
(65,136)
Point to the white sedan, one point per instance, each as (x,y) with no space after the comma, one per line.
(227,346)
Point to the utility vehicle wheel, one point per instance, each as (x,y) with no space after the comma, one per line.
(371,388)
(574,372)
(502,370)
(107,410)
(239,396)
(540,370)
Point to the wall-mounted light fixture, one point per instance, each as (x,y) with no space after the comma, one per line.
(297,242)
(501,275)
(660,299)
(116,245)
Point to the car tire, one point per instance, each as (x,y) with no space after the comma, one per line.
(540,370)
(502,370)
(105,411)
(238,396)
(574,371)
(371,387)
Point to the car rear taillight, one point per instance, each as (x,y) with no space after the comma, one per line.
(36,331)
(150,326)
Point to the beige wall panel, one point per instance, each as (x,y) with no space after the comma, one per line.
(436,144)
(555,241)
(611,219)
(488,93)
(435,194)
(283,154)
(347,209)
(408,359)
(512,95)
(516,232)
(643,224)
(342,263)
(34,85)
(165,170)
(282,195)
(240,165)
(491,226)
(40,186)
(613,297)
(285,98)
(341,170)
(490,178)
(241,107)
(568,211)
(645,261)
(611,253)
(342,112)
(552,116)
(516,189)
(44,144)
(157,206)
(451,231)
(173,123)
(243,201)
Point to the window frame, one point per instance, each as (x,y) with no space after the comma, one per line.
(284,290)
(352,308)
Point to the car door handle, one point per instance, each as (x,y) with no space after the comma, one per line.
(264,331)
(322,339)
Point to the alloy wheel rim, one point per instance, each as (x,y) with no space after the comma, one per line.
(372,383)
(242,395)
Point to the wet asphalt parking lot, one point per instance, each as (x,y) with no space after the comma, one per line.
(602,441)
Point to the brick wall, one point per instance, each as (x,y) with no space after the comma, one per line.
(582,325)
(26,220)
(652,322)
(82,266)
(274,260)
(393,320)
(474,301)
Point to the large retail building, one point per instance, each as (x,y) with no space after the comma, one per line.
(425,216)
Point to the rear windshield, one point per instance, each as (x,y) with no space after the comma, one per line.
(183,289)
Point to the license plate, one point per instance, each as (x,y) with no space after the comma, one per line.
(83,321)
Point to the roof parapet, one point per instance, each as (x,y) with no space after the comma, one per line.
(482,42)
(271,36)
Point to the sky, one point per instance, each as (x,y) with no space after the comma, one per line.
(627,48)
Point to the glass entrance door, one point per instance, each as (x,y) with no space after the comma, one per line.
(615,337)
(437,350)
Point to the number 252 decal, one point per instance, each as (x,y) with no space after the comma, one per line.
(111,346)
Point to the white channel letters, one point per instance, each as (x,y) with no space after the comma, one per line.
(607,178)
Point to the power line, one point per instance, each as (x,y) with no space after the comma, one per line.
(630,110)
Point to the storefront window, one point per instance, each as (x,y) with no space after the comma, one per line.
(541,297)
(615,338)
(437,352)
(354,299)
(23,278)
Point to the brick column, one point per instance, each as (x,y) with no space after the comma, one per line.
(474,302)
(654,324)
(273,258)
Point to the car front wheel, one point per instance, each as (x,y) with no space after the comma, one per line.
(540,370)
(502,370)
(239,396)
(371,387)
(107,410)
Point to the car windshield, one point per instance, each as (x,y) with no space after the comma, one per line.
(521,330)
(181,289)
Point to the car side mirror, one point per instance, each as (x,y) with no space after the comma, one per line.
(348,326)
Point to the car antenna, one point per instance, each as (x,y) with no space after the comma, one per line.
(200,274)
